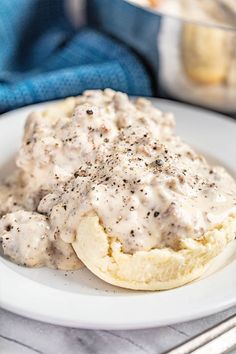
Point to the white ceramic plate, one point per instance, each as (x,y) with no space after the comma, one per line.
(79,299)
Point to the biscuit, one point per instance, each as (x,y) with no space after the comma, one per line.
(205,54)
(157,269)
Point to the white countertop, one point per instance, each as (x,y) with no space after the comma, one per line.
(19,335)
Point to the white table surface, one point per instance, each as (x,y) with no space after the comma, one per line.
(20,335)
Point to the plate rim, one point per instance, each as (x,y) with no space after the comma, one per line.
(110,324)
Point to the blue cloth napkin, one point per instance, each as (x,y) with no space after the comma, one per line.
(42,57)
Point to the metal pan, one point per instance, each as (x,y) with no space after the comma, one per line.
(189,61)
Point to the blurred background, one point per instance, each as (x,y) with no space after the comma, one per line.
(178,49)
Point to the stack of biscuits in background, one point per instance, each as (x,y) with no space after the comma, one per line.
(209,53)
(208,50)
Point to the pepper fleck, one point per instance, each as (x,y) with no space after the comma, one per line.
(89,112)
(159,162)
(8,228)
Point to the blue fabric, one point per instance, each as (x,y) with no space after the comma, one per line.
(136,26)
(42,57)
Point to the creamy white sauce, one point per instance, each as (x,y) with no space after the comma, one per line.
(26,240)
(118,159)
(148,193)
